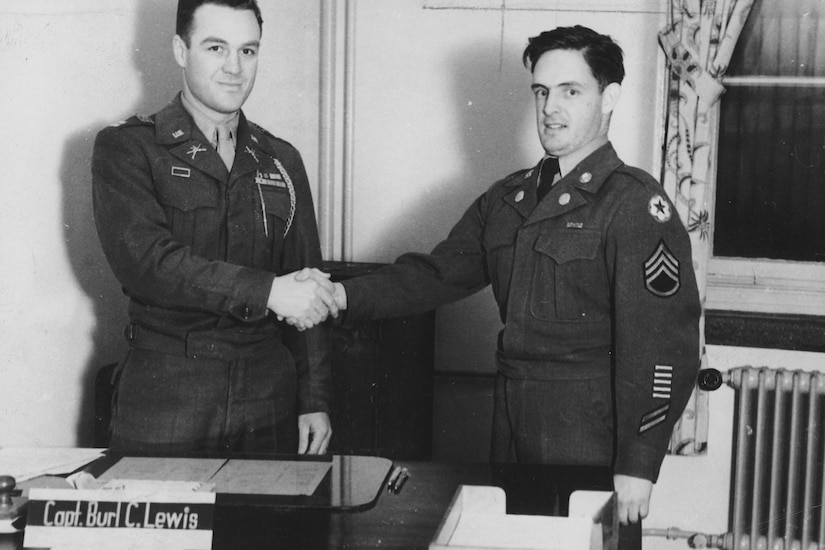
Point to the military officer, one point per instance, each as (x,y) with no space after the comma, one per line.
(204,218)
(591,269)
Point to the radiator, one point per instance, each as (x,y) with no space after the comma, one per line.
(778,486)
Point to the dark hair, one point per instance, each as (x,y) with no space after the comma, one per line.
(187,9)
(602,54)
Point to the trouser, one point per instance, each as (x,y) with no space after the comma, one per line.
(560,422)
(167,403)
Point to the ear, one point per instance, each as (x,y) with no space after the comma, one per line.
(180,50)
(610,97)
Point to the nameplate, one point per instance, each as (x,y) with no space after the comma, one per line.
(68,518)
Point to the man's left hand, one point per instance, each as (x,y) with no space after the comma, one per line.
(633,494)
(314,432)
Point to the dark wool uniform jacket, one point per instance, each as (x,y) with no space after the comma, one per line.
(196,248)
(597,279)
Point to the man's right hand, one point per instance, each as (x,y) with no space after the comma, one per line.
(303,297)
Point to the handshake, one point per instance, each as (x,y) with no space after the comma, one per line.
(306,298)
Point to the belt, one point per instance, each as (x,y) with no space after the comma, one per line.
(550,369)
(210,344)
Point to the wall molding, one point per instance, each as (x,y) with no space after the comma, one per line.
(765,330)
(630,6)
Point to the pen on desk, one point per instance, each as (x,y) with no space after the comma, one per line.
(397,479)
(402,479)
(396,471)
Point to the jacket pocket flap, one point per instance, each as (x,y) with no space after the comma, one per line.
(565,246)
(186,194)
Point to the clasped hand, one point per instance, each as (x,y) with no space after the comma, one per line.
(304,298)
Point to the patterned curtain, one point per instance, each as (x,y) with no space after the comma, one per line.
(698,43)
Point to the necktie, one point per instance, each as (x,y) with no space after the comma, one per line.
(547,173)
(226,146)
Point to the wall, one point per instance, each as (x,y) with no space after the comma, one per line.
(443,109)
(71,68)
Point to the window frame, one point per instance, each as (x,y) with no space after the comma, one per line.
(763,285)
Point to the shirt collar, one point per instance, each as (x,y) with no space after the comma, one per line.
(207,124)
(569,162)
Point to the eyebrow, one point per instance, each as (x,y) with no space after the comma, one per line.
(568,84)
(216,40)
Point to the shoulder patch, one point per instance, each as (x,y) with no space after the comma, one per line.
(659,208)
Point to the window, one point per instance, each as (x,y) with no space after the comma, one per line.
(769,231)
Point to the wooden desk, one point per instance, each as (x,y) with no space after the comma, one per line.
(408,520)
(404,521)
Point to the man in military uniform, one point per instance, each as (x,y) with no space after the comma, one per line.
(204,218)
(591,269)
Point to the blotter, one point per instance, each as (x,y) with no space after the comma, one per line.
(123,519)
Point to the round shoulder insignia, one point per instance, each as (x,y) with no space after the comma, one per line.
(586,177)
(659,208)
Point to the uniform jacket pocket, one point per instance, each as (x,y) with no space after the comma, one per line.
(276,202)
(570,281)
(193,210)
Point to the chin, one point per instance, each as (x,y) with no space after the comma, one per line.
(554,150)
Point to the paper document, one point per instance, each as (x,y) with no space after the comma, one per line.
(256,477)
(165,469)
(24,463)
(270,477)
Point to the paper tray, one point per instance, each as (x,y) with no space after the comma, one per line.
(477,520)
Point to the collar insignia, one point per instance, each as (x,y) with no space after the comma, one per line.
(194,150)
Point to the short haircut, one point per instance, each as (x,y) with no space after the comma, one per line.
(187,9)
(602,54)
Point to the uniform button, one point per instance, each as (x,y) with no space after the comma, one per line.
(586,177)
(564,198)
(246,313)
(519,196)
(529,174)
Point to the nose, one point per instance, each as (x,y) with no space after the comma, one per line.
(551,104)
(232,63)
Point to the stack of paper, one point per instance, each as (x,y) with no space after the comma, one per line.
(24,463)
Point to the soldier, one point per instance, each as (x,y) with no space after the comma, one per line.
(591,269)
(204,218)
